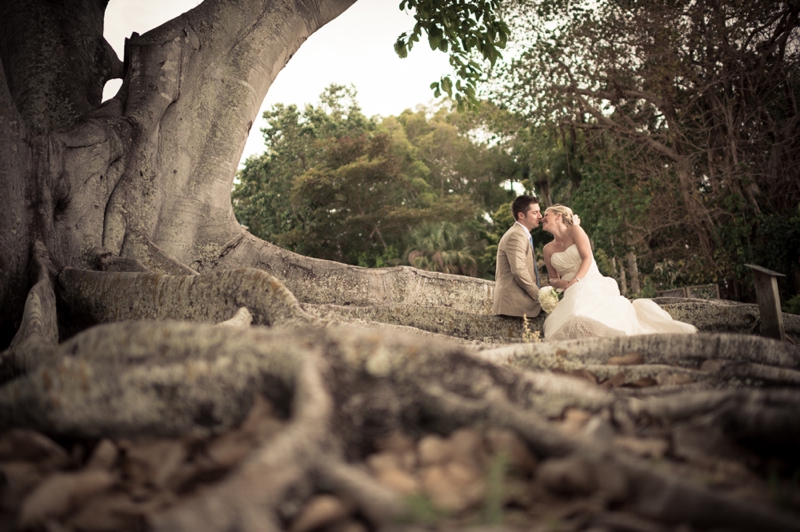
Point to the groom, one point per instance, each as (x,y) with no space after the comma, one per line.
(516,290)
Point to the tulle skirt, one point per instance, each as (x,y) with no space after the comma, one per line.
(594,307)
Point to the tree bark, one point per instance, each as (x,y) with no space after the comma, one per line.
(633,272)
(133,306)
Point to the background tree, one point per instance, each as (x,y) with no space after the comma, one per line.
(693,102)
(441,247)
(128,289)
(333,184)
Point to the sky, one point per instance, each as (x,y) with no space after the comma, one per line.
(355,48)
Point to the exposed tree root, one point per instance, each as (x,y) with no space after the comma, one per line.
(689,351)
(37,336)
(655,494)
(440,320)
(325,282)
(245,501)
(350,388)
(717,315)
(101,297)
(152,257)
(126,379)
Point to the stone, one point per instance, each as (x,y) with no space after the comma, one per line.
(453,487)
(399,481)
(467,445)
(433,449)
(507,442)
(320,511)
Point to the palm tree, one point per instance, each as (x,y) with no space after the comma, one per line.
(441,247)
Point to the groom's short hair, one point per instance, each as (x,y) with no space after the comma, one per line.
(521,205)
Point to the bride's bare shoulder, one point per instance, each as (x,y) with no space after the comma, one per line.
(577,233)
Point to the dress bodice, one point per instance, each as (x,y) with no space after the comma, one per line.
(567,262)
(594,306)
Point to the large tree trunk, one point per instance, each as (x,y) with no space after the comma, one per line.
(119,253)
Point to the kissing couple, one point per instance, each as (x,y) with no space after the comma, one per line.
(592,304)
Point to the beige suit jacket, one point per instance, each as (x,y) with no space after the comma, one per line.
(515,290)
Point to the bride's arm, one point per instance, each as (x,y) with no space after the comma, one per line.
(585,249)
(555,278)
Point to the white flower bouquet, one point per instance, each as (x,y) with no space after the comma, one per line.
(549,298)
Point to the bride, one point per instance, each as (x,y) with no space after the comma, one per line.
(592,304)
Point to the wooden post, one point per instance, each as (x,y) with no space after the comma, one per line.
(769,302)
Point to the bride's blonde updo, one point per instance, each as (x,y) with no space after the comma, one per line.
(565,212)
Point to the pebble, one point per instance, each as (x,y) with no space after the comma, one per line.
(433,449)
(319,511)
(505,441)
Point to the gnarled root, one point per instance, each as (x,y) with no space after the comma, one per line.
(37,335)
(351,388)
(683,350)
(100,297)
(326,282)
(171,378)
(471,326)
(137,246)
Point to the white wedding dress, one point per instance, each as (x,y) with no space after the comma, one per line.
(594,307)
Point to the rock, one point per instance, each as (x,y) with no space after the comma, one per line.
(567,476)
(467,445)
(453,487)
(399,481)
(505,441)
(433,450)
(320,511)
(436,485)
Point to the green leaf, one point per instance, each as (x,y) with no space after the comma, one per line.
(447,85)
(400,49)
